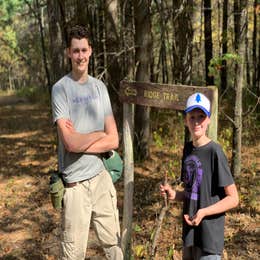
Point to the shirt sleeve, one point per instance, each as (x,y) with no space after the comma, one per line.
(60,108)
(185,151)
(106,101)
(224,174)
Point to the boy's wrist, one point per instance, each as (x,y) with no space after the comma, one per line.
(172,195)
(204,211)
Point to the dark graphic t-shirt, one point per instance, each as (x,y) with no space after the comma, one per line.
(205,173)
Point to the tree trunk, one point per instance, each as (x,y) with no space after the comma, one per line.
(81,15)
(223,73)
(183,35)
(36,10)
(114,74)
(101,58)
(95,21)
(57,43)
(236,23)
(182,44)
(254,51)
(239,72)
(128,133)
(258,82)
(10,78)
(127,39)
(163,58)
(247,62)
(127,67)
(142,60)
(44,57)
(208,40)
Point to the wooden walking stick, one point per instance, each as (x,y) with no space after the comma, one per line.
(160,219)
(164,183)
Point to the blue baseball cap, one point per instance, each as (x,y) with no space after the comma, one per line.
(198,100)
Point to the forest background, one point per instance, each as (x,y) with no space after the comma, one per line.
(197,43)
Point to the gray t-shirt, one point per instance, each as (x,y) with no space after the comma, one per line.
(205,173)
(86,105)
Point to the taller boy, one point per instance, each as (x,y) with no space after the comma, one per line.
(86,127)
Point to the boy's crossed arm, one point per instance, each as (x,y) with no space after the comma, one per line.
(94,142)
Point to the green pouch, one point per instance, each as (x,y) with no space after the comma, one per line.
(113,164)
(56,190)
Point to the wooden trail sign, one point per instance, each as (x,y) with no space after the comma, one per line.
(154,95)
(159,95)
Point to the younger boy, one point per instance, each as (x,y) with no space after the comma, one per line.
(209,189)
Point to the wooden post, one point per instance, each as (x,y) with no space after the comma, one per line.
(213,126)
(128,130)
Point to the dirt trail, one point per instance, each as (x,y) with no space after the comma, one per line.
(29,227)
(11,100)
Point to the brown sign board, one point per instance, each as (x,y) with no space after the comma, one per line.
(159,95)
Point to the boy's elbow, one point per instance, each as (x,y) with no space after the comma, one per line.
(236,201)
(236,198)
(71,148)
(115,143)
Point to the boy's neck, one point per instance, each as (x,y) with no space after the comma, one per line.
(79,77)
(200,141)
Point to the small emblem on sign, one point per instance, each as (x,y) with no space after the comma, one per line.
(130,91)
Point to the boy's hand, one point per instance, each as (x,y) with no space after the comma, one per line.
(197,218)
(167,189)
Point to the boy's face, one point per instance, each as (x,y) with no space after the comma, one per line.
(79,52)
(197,122)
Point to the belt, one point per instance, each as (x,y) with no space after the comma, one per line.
(72,184)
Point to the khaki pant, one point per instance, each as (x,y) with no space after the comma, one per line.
(92,200)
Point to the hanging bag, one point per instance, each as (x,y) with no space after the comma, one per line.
(56,189)
(113,164)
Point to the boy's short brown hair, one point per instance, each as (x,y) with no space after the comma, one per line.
(78,32)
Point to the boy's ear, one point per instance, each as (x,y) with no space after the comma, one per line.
(90,50)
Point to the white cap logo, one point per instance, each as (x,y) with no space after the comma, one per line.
(198,100)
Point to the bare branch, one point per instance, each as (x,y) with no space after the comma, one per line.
(229,118)
(250,111)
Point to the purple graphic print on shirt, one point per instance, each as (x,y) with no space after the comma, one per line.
(83,100)
(192,177)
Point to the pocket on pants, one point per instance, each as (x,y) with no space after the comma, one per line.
(67,237)
(114,204)
(67,245)
(113,197)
